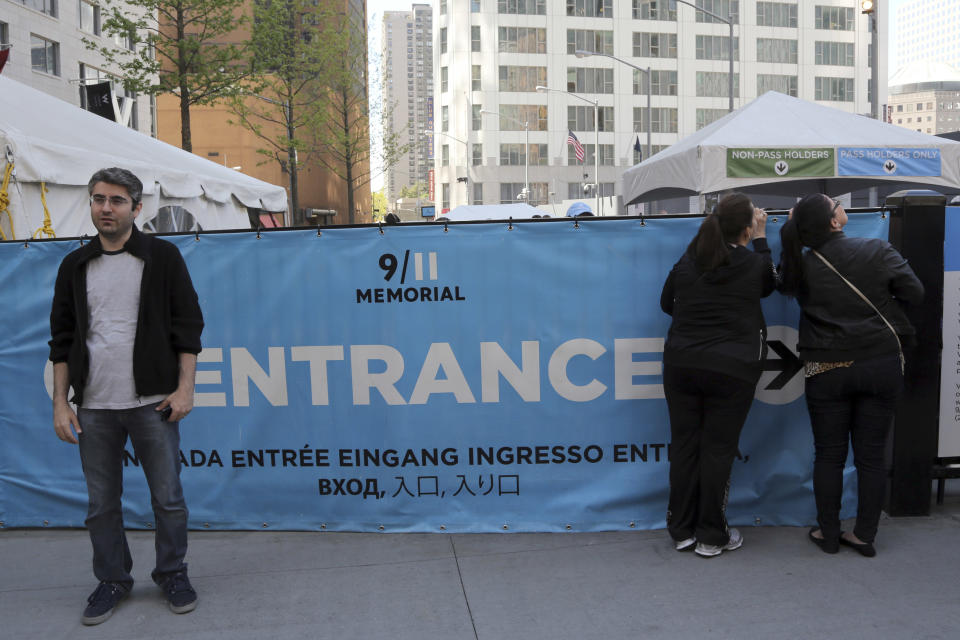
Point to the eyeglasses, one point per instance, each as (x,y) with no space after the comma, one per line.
(836,203)
(115,201)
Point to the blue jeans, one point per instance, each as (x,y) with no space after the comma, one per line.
(852,405)
(156,443)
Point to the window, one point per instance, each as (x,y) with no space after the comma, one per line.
(475,77)
(606,155)
(522,78)
(522,7)
(512,117)
(475,38)
(835,89)
(716,84)
(654,45)
(588,40)
(474,6)
(709,116)
(4,33)
(653,10)
(477,158)
(44,55)
(48,7)
(664,119)
(443,40)
(717,48)
(476,118)
(580,118)
(509,191)
(445,197)
(443,7)
(514,155)
(521,40)
(89,17)
(477,193)
(771,82)
(662,83)
(726,8)
(776,14)
(589,80)
(444,118)
(638,156)
(443,79)
(445,155)
(776,50)
(590,8)
(834,53)
(833,18)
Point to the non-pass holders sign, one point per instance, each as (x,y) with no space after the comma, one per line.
(780,163)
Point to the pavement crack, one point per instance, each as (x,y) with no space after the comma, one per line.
(463,588)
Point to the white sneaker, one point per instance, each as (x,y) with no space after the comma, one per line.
(684,545)
(711,550)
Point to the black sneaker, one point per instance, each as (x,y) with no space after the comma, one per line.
(180,595)
(103,601)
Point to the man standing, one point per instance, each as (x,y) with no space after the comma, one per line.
(125,327)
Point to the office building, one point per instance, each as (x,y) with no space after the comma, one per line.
(47,52)
(928,31)
(407,85)
(491,55)
(925,97)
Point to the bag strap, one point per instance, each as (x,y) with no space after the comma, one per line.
(867,300)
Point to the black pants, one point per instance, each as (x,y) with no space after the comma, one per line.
(707,412)
(852,404)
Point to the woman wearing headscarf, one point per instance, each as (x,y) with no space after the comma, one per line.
(712,360)
(851,293)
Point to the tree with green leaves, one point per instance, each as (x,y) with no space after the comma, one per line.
(181,47)
(418,190)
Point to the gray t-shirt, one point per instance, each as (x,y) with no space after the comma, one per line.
(113,300)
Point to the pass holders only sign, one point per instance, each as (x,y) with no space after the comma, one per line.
(780,163)
(870,161)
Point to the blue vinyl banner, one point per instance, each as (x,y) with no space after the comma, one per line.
(464,377)
(888,161)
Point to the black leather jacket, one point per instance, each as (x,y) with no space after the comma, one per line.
(169,321)
(836,324)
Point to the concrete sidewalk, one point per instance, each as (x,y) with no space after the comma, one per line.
(497,586)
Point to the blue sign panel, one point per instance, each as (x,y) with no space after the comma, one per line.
(873,161)
(460,377)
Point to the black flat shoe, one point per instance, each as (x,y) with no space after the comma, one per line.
(863,548)
(827,546)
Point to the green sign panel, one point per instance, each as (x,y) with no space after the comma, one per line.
(780,163)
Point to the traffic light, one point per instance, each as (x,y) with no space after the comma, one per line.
(867,6)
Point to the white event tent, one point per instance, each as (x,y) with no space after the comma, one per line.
(52,143)
(778,144)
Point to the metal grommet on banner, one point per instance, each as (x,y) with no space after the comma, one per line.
(2,523)
(773,220)
(258,232)
(148,525)
(265,525)
(883,212)
(576,224)
(26,243)
(206,525)
(318,231)
(510,225)
(568,527)
(323,526)
(633,525)
(443,527)
(196,235)
(506,527)
(46,523)
(445,227)
(380,528)
(380,226)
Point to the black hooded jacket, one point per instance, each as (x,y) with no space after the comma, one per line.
(717,320)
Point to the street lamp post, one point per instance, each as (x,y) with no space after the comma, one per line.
(526,151)
(672,4)
(586,54)
(596,140)
(466,145)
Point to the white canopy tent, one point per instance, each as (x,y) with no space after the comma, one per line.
(55,143)
(777,144)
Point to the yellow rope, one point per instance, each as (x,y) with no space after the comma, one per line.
(47,228)
(5,201)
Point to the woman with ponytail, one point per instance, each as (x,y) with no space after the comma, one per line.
(712,360)
(852,331)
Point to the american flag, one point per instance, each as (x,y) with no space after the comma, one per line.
(577,147)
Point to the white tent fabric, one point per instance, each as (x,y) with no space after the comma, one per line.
(517,211)
(54,142)
(698,163)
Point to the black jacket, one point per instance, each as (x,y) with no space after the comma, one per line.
(836,324)
(169,321)
(717,321)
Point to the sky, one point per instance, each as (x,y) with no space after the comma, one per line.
(375,9)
